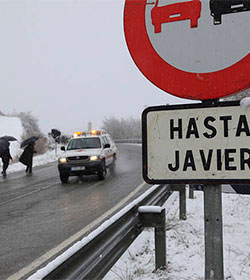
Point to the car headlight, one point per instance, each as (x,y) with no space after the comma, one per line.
(62,159)
(92,158)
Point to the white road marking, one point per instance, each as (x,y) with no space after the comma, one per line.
(26,194)
(38,262)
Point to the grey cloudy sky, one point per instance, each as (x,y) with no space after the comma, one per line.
(66,62)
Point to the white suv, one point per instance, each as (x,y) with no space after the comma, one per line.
(87,154)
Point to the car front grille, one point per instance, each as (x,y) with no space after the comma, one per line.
(77,158)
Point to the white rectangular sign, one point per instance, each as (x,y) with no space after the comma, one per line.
(196,143)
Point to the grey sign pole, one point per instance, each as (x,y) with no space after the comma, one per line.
(213,233)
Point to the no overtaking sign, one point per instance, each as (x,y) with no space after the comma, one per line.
(196,49)
(196,143)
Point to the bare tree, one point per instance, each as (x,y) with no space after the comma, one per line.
(122,128)
(31,128)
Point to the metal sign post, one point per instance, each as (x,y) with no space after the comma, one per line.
(213,232)
(56,135)
(213,229)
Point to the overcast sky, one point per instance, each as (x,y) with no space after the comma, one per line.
(66,62)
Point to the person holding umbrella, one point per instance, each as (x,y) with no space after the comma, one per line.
(5,151)
(26,157)
(5,155)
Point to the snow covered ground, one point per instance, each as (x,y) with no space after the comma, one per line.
(185,243)
(12,126)
(49,156)
(37,160)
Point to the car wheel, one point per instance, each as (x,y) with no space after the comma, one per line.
(103,172)
(64,178)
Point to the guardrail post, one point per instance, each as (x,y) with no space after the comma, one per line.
(182,198)
(154,216)
(191,192)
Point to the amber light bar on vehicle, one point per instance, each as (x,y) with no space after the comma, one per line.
(92,132)
(96,132)
(77,133)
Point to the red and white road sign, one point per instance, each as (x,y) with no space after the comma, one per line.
(191,49)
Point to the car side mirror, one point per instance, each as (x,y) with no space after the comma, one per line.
(106,146)
(63,148)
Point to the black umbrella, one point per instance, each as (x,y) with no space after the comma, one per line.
(29,140)
(8,138)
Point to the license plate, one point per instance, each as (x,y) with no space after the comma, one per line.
(77,168)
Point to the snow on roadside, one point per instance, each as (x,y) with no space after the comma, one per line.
(185,243)
(12,126)
(45,158)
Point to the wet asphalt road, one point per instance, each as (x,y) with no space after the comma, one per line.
(38,212)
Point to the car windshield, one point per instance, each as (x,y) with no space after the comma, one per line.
(84,143)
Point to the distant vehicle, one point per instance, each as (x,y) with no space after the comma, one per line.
(176,12)
(87,154)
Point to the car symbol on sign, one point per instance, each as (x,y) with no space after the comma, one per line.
(176,12)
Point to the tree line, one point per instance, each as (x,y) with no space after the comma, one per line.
(122,128)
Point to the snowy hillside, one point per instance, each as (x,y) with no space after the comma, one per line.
(12,126)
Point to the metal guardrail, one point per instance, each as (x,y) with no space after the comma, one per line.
(99,254)
(134,140)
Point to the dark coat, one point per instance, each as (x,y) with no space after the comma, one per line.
(27,156)
(5,153)
(6,156)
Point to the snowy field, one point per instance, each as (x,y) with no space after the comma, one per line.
(12,126)
(185,243)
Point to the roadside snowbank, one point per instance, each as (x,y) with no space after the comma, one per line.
(49,156)
(12,126)
(185,243)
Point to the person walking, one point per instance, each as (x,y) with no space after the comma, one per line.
(6,157)
(26,157)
